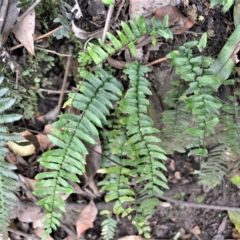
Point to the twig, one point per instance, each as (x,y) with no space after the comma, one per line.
(49,91)
(157,61)
(53,52)
(20,18)
(199,205)
(37,38)
(108,19)
(64,80)
(31,236)
(119,10)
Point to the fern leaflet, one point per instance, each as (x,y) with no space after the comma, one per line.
(8,179)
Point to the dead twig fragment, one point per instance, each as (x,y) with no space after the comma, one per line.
(108,20)
(157,61)
(199,205)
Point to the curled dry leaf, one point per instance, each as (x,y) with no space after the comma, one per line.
(24,31)
(76,10)
(177,21)
(81,34)
(86,218)
(116,64)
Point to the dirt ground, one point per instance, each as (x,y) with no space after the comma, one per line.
(170,219)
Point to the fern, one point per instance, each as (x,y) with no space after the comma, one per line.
(225,157)
(108,225)
(197,97)
(8,179)
(126,38)
(94,100)
(139,158)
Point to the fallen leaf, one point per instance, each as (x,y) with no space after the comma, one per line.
(86,218)
(177,21)
(76,10)
(81,34)
(146,7)
(25,147)
(21,150)
(30,214)
(177,175)
(40,232)
(24,31)
(29,183)
(196,230)
(44,142)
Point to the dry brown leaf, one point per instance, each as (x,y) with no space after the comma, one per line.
(177,21)
(29,183)
(146,7)
(81,34)
(11,158)
(24,31)
(40,232)
(44,142)
(30,214)
(47,129)
(196,230)
(86,218)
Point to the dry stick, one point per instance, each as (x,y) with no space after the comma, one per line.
(37,38)
(64,80)
(157,61)
(108,19)
(49,91)
(53,52)
(199,205)
(119,10)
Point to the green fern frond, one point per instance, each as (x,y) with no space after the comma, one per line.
(215,168)
(94,100)
(8,179)
(108,225)
(126,38)
(137,155)
(198,97)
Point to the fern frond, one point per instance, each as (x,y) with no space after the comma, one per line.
(8,179)
(137,155)
(94,100)
(215,168)
(126,38)
(108,226)
(198,97)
